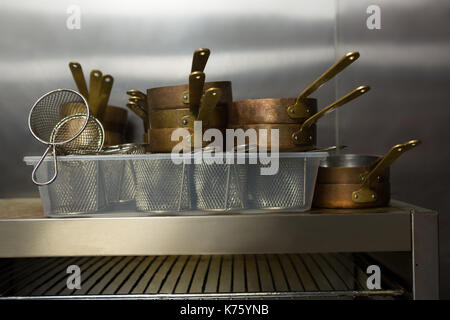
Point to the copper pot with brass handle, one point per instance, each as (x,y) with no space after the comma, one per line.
(300,136)
(177,97)
(294,118)
(353,181)
(160,137)
(189,95)
(286,110)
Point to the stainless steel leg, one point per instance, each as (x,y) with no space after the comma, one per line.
(425,255)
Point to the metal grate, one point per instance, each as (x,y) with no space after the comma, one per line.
(229,276)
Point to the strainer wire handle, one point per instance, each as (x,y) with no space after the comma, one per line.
(33,174)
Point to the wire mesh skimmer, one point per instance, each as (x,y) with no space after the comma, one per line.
(45,115)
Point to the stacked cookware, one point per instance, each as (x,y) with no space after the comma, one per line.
(175,118)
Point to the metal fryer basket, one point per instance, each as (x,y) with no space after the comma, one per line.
(162,185)
(119,176)
(78,189)
(291,188)
(220,186)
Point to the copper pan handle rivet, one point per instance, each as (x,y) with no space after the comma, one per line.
(208,103)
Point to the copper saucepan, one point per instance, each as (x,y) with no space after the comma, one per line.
(189,95)
(300,136)
(160,138)
(294,118)
(356,181)
(179,106)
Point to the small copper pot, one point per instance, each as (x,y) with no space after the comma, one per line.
(356,181)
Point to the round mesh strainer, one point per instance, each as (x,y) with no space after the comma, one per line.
(88,142)
(46,114)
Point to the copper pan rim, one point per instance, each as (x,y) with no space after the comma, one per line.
(183,85)
(260,100)
(349,160)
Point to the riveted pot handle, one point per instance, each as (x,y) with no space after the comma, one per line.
(208,103)
(365,193)
(298,110)
(194,95)
(301,137)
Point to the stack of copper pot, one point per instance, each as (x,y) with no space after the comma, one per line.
(294,118)
(179,106)
(347,181)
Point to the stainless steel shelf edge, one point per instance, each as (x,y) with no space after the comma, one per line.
(228,296)
(209,234)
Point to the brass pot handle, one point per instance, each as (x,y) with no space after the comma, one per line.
(133,106)
(137,93)
(105,91)
(95,84)
(300,137)
(194,95)
(299,109)
(365,193)
(208,103)
(78,77)
(199,59)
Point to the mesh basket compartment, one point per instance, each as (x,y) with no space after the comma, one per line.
(220,187)
(78,188)
(162,186)
(291,188)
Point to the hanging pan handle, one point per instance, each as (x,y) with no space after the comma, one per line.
(33,174)
(78,77)
(365,193)
(299,109)
(105,92)
(301,136)
(199,59)
(95,84)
